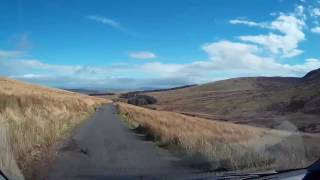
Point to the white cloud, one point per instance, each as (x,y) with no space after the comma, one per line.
(10,54)
(29,76)
(142,55)
(309,64)
(248,23)
(228,56)
(316,30)
(226,59)
(285,33)
(285,42)
(164,70)
(106,21)
(315,12)
(233,55)
(300,12)
(292,53)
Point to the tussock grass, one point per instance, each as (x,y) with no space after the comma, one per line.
(33,119)
(221,146)
(7,161)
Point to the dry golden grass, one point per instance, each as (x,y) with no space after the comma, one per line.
(33,119)
(257,101)
(217,145)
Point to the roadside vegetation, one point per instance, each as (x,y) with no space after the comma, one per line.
(32,120)
(222,146)
(138,99)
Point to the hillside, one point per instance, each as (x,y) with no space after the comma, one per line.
(269,102)
(33,119)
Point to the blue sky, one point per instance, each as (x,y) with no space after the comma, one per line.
(156,43)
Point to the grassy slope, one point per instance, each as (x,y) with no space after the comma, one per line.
(217,145)
(265,102)
(32,119)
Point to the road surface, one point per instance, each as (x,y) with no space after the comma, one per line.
(104,148)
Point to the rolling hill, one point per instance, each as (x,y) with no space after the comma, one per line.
(274,102)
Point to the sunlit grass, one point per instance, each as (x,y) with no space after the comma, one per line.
(33,119)
(220,146)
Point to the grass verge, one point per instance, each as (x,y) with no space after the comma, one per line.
(32,120)
(221,146)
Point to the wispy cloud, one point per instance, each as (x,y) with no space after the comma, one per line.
(248,23)
(315,12)
(107,21)
(142,55)
(316,30)
(4,54)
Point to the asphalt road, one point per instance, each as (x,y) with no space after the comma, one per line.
(105,148)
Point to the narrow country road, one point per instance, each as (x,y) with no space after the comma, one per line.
(104,148)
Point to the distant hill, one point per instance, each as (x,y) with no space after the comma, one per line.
(312,75)
(83,91)
(260,101)
(160,90)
